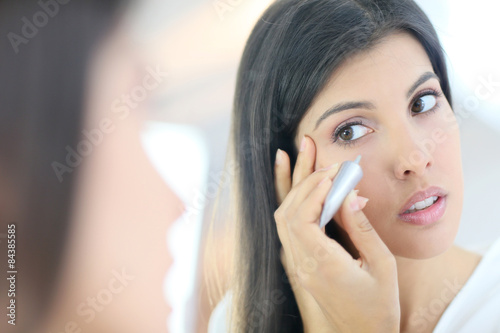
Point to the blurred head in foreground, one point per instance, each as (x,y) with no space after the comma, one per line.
(89,211)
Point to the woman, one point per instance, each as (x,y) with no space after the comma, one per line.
(321,82)
(86,226)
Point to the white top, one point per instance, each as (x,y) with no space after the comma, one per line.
(218,318)
(475,308)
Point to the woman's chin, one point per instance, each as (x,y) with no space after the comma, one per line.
(423,248)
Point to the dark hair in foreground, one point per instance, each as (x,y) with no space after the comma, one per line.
(290,55)
(42,96)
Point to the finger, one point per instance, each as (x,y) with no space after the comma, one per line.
(283,192)
(306,204)
(309,243)
(283,184)
(337,217)
(282,179)
(283,235)
(373,251)
(312,249)
(304,189)
(305,160)
(309,211)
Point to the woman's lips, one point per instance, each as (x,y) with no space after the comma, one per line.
(428,215)
(433,191)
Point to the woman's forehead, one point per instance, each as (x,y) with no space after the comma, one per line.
(391,65)
(398,57)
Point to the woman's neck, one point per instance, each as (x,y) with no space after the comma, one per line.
(427,287)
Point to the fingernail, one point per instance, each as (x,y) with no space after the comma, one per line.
(353,201)
(332,166)
(303,144)
(357,191)
(362,202)
(328,167)
(279,158)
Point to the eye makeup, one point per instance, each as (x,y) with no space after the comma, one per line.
(335,137)
(349,124)
(427,92)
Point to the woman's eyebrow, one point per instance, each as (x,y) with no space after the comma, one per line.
(423,78)
(344,106)
(368,105)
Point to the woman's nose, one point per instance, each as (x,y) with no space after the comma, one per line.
(413,153)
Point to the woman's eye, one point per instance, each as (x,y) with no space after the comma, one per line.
(424,103)
(353,132)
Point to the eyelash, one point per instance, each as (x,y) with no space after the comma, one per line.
(427,92)
(347,144)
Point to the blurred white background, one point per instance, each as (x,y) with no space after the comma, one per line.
(201,43)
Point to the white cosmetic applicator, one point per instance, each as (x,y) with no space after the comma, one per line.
(347,178)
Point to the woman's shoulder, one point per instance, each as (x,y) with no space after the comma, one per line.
(218,322)
(476,306)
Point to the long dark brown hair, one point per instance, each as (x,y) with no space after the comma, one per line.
(45,47)
(290,55)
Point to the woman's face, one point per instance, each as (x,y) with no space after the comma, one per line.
(407,135)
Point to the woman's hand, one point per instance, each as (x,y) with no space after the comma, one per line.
(334,292)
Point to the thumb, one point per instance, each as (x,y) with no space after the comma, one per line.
(373,251)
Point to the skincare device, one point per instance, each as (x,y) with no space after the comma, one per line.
(347,178)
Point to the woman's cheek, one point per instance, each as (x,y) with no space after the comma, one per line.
(446,123)
(377,186)
(446,141)
(448,160)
